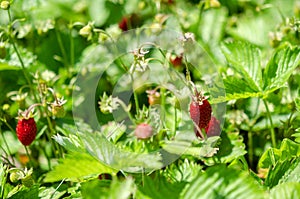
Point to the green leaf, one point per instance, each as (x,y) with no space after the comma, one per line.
(25,193)
(71,143)
(280,67)
(245,59)
(287,150)
(293,172)
(222,182)
(50,193)
(237,88)
(265,123)
(275,173)
(212,25)
(186,171)
(297,103)
(77,165)
(5,66)
(99,147)
(290,190)
(231,147)
(206,148)
(117,189)
(160,188)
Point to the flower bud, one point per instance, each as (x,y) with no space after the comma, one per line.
(5,5)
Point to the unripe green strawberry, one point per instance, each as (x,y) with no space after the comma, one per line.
(58,111)
(213,128)
(26,130)
(14,177)
(143,131)
(27,181)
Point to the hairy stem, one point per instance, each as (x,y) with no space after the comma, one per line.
(273,136)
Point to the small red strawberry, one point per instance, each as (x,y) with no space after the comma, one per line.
(200,112)
(213,128)
(123,24)
(26,130)
(129,22)
(143,131)
(176,60)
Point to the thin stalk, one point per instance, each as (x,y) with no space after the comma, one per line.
(8,150)
(48,158)
(62,49)
(29,156)
(51,129)
(250,146)
(136,99)
(175,119)
(72,55)
(57,188)
(273,136)
(18,55)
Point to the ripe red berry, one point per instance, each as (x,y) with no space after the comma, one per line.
(200,112)
(123,24)
(213,128)
(143,131)
(26,131)
(129,22)
(176,60)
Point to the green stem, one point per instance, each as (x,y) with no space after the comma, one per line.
(20,59)
(62,49)
(250,146)
(48,158)
(136,99)
(72,56)
(9,152)
(175,119)
(3,182)
(51,130)
(29,156)
(273,136)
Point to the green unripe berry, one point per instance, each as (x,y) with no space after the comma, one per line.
(27,181)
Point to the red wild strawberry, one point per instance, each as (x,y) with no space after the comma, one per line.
(213,128)
(143,131)
(176,60)
(129,22)
(200,112)
(26,130)
(123,24)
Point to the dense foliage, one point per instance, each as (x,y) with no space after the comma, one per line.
(149,99)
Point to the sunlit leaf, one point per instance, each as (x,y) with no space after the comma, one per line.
(99,147)
(222,182)
(160,188)
(77,165)
(290,190)
(280,67)
(288,149)
(119,189)
(245,59)
(25,192)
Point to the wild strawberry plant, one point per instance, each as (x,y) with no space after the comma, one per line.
(149,99)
